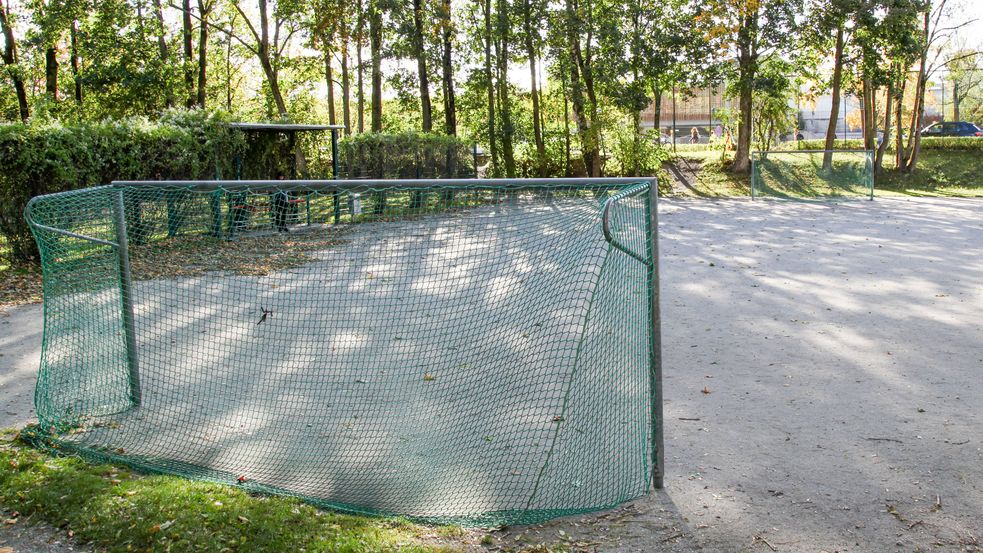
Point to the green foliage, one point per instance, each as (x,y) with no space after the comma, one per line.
(45,157)
(405,155)
(974,144)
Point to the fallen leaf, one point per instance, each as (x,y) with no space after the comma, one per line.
(429,377)
(706,391)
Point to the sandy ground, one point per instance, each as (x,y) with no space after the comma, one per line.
(823,381)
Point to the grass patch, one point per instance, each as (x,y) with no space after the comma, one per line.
(940,173)
(115,509)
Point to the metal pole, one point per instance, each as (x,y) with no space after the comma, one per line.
(655,339)
(126,291)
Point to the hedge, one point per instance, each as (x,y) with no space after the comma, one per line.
(927,143)
(43,158)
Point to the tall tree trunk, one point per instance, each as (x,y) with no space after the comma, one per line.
(588,145)
(566,123)
(346,81)
(747,63)
(204,9)
(918,111)
(657,112)
(899,158)
(956,100)
(189,75)
(375,39)
(447,35)
(329,80)
(834,111)
(504,100)
(51,72)
(870,115)
(489,80)
(265,61)
(423,79)
(10,61)
(162,49)
(76,74)
(360,68)
(882,147)
(537,129)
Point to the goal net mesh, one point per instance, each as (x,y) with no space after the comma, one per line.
(812,174)
(475,354)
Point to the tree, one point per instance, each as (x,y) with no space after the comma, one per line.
(10,62)
(751,31)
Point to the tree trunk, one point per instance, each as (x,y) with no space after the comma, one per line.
(360,66)
(882,147)
(747,63)
(657,112)
(329,80)
(76,76)
(204,9)
(956,100)
(899,158)
(375,39)
(588,145)
(447,35)
(566,122)
(162,47)
(346,81)
(918,112)
(51,72)
(272,78)
(504,100)
(834,110)
(10,60)
(426,109)
(537,129)
(189,75)
(492,137)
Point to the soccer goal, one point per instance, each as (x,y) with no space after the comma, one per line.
(804,174)
(477,351)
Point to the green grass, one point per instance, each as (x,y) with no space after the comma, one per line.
(118,510)
(944,173)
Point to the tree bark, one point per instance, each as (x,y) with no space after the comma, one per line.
(747,63)
(588,144)
(918,112)
(882,147)
(51,72)
(447,35)
(186,40)
(375,39)
(76,74)
(346,81)
(360,66)
(504,99)
(537,129)
(492,136)
(834,111)
(10,63)
(204,9)
(329,80)
(956,100)
(423,79)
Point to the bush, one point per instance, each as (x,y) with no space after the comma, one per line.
(927,143)
(405,155)
(49,157)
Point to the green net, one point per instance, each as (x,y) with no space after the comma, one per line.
(804,174)
(483,352)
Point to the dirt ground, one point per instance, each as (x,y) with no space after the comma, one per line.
(823,382)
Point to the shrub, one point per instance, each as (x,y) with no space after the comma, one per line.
(405,155)
(927,143)
(47,157)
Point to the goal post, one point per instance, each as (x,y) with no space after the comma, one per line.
(804,174)
(480,351)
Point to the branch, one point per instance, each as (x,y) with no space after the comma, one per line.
(227,32)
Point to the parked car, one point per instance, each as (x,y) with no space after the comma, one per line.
(952,128)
